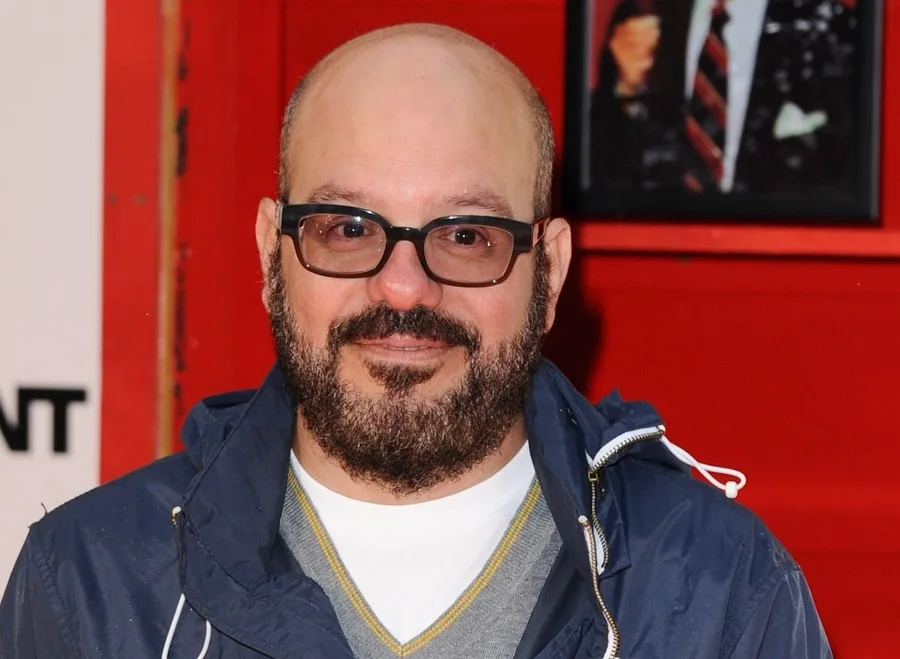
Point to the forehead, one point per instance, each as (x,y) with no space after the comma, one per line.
(412,126)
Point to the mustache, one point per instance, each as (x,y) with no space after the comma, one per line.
(381,321)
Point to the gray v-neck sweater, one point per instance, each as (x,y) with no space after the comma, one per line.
(487,620)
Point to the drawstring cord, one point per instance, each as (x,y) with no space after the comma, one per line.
(178,609)
(174,624)
(730,488)
(626,439)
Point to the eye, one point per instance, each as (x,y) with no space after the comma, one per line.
(350,229)
(344,227)
(467,236)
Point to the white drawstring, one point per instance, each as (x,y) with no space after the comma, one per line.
(174,624)
(730,488)
(176,511)
(631,437)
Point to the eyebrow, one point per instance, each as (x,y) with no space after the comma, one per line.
(331,193)
(482,199)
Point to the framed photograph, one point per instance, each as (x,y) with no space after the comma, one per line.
(762,110)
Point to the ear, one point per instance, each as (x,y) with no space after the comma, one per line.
(558,243)
(266,240)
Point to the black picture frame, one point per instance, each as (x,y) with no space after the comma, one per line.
(585,196)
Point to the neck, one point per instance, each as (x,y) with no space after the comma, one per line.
(328,471)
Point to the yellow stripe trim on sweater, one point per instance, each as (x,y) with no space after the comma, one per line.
(450,615)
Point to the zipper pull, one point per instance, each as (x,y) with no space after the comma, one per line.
(595,478)
(176,511)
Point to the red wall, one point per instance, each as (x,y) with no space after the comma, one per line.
(763,349)
(131,236)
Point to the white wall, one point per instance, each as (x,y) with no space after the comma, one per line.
(51,187)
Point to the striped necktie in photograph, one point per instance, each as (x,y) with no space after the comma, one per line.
(707,114)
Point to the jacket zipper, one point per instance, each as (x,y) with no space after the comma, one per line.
(593,530)
(623,441)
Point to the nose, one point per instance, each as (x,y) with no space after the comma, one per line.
(402,283)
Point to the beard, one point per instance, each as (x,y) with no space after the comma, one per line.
(396,440)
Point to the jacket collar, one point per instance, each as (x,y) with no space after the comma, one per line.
(563,429)
(234,569)
(230,551)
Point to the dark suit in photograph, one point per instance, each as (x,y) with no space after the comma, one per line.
(798,132)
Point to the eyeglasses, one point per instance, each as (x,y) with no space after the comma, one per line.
(460,250)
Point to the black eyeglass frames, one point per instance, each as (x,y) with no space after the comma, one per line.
(460,250)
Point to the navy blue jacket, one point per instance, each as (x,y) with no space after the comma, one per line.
(687,572)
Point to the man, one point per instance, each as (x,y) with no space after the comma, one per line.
(412,479)
(733,96)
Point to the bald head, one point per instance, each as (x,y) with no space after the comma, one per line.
(424,79)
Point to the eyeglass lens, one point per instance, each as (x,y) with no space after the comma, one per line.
(348,245)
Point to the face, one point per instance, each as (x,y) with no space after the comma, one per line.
(400,379)
(399,439)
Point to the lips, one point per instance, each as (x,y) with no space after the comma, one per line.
(404,343)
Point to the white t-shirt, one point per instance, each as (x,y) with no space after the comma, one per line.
(412,562)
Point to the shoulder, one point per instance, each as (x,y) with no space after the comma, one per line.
(112,544)
(125,520)
(719,581)
(666,507)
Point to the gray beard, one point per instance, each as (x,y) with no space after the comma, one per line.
(395,440)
